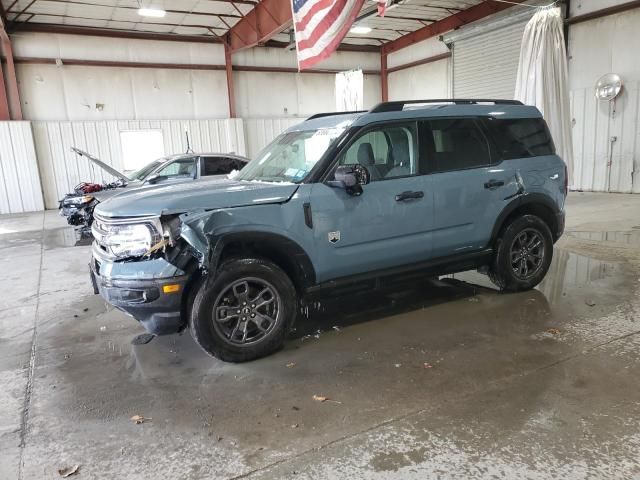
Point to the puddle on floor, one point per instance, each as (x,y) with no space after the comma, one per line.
(628,237)
(67,237)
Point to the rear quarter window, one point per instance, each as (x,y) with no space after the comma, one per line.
(521,138)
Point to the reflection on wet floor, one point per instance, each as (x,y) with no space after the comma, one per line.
(630,237)
(67,237)
(462,304)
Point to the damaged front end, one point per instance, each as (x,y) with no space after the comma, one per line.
(144,267)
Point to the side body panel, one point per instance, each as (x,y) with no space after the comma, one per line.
(465,210)
(373,231)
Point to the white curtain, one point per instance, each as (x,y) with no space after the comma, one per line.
(349,91)
(543,78)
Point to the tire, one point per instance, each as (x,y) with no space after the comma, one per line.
(530,264)
(266,300)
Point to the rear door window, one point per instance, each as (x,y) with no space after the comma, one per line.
(520,138)
(455,144)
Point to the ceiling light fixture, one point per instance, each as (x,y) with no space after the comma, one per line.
(151,12)
(360,30)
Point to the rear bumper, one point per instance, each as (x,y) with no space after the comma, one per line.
(145,300)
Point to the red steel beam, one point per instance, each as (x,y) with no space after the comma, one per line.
(11,93)
(475,13)
(229,70)
(267,19)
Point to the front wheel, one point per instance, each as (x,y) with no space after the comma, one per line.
(522,255)
(246,312)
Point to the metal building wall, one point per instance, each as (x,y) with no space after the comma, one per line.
(61,169)
(606,135)
(260,131)
(20,189)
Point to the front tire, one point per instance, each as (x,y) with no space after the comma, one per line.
(523,254)
(246,312)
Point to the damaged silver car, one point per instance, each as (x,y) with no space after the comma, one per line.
(77,207)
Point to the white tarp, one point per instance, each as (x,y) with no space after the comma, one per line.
(349,91)
(543,79)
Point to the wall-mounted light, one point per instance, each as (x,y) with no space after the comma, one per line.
(151,12)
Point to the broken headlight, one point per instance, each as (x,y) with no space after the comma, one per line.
(124,240)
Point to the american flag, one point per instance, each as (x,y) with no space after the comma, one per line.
(382,7)
(320,26)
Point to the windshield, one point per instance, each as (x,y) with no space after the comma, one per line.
(291,156)
(146,170)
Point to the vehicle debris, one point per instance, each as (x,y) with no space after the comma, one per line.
(138,419)
(291,365)
(322,399)
(427,365)
(553,331)
(68,471)
(590,303)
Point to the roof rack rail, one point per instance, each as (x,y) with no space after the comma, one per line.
(397,106)
(331,114)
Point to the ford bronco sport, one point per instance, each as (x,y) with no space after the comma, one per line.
(435,187)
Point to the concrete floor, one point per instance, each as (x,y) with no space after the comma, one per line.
(542,384)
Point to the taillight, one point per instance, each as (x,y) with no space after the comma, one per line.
(566,181)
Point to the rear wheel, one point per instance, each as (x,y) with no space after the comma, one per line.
(245,312)
(523,254)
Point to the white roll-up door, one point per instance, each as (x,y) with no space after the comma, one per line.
(486,65)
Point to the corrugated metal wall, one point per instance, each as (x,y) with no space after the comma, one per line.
(61,170)
(20,189)
(260,131)
(605,138)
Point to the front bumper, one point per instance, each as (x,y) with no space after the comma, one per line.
(144,299)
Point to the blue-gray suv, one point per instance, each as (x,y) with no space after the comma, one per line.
(433,187)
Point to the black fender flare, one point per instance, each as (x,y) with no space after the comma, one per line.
(527,199)
(297,262)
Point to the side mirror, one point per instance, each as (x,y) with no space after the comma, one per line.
(153,179)
(351,178)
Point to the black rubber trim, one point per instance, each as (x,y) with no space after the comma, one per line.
(437,266)
(529,199)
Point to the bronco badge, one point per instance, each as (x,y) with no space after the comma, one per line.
(334,237)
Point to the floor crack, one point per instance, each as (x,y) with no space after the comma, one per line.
(24,421)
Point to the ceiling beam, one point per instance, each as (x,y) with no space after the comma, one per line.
(475,13)
(267,19)
(113,33)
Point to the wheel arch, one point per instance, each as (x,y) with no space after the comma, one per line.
(530,204)
(281,250)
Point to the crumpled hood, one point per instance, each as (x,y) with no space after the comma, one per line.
(203,194)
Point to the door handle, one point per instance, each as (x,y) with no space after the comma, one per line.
(408,195)
(493,184)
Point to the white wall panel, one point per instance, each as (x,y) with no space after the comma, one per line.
(598,47)
(62,170)
(418,51)
(79,93)
(20,189)
(262,94)
(50,45)
(260,131)
(430,80)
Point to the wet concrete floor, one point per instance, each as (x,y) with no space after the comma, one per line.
(426,378)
